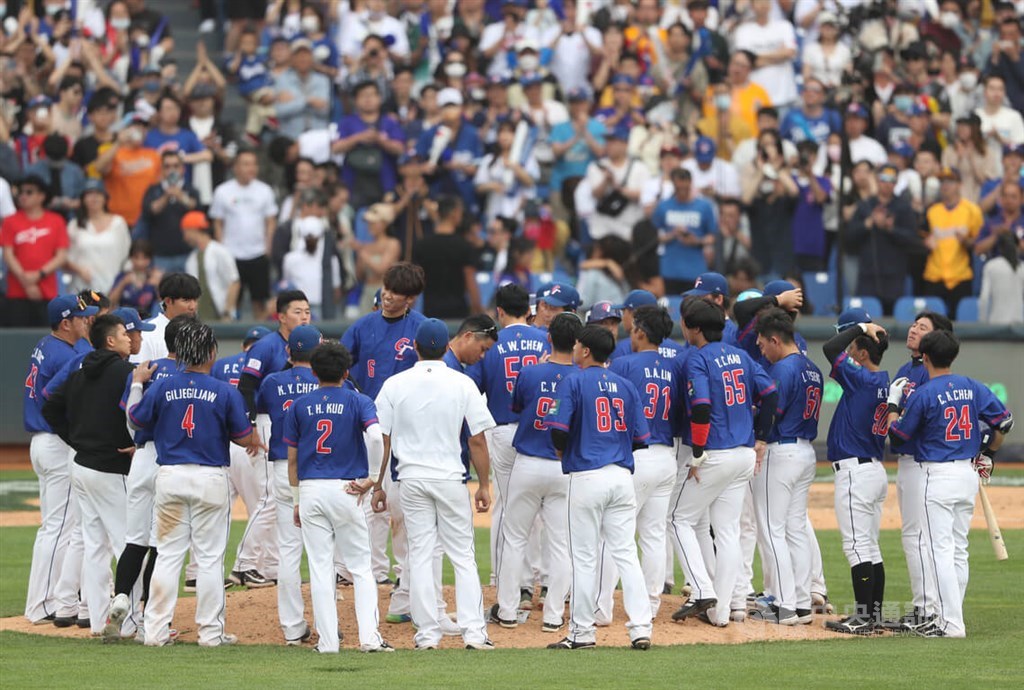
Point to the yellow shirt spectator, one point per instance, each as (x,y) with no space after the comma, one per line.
(950,260)
(745,101)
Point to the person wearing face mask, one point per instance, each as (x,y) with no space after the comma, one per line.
(372,21)
(325,55)
(499,40)
(66,179)
(154,25)
(128,169)
(573,46)
(303,267)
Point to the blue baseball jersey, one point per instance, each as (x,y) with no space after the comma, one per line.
(603,416)
(326,429)
(731,334)
(276,394)
(659,381)
(193,417)
(61,377)
(267,355)
(48,357)
(917,375)
(746,340)
(944,415)
(533,395)
(860,422)
(519,346)
(229,369)
(668,348)
(726,378)
(164,368)
(800,385)
(452,362)
(381,348)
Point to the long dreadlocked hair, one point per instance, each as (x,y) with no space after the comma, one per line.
(195,344)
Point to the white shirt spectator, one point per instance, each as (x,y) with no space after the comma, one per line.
(1007,123)
(721,177)
(864,148)
(493,34)
(354,28)
(244,210)
(305,271)
(202,173)
(102,253)
(1002,293)
(655,190)
(221,272)
(7,207)
(779,80)
(425,437)
(509,203)
(631,175)
(828,69)
(570,57)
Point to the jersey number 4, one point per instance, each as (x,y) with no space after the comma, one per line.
(735,389)
(959,427)
(187,425)
(30,382)
(604,414)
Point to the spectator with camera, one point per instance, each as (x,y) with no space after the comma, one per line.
(371,143)
(163,207)
(615,182)
(129,169)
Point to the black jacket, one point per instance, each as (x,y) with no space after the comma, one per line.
(86,412)
(883,254)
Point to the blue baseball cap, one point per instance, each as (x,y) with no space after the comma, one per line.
(777,287)
(918,109)
(851,317)
(304,339)
(531,79)
(902,149)
(637,298)
(432,334)
(620,132)
(132,320)
(580,94)
(603,310)
(709,284)
(704,150)
(559,295)
(623,80)
(1014,150)
(857,110)
(752,293)
(40,101)
(255,333)
(68,307)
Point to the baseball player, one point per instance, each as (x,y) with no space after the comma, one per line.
(552,299)
(658,380)
(596,420)
(381,345)
(856,446)
(605,314)
(421,414)
(723,384)
(519,346)
(256,558)
(323,431)
(229,368)
(536,484)
(714,288)
(633,301)
(192,417)
(910,474)
(70,319)
(179,294)
(275,397)
(943,415)
(782,486)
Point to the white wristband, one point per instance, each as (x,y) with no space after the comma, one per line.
(295,495)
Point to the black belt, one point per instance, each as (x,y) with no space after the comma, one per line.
(860,461)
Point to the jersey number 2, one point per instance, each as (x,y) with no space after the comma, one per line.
(325,427)
(959,427)
(186,422)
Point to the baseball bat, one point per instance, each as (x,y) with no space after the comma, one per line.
(994,535)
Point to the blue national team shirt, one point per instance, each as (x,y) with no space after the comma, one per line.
(533,395)
(799,383)
(466,148)
(731,382)
(275,396)
(229,369)
(917,375)
(602,414)
(326,428)
(860,422)
(730,336)
(944,415)
(519,346)
(680,261)
(48,357)
(193,417)
(659,381)
(380,348)
(746,340)
(165,368)
(267,355)
(668,348)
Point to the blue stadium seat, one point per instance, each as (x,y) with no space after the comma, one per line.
(869,304)
(909,307)
(967,309)
(820,289)
(485,282)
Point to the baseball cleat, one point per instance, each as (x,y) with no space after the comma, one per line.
(738,615)
(225,640)
(526,599)
(493,617)
(485,646)
(930,629)
(449,628)
(551,627)
(342,581)
(692,608)
(804,617)
(397,618)
(914,620)
(425,647)
(641,643)
(45,620)
(119,608)
(64,621)
(543,596)
(385,581)
(852,625)
(304,637)
(667,589)
(382,647)
(703,617)
(250,578)
(83,623)
(190,585)
(821,604)
(786,616)
(566,643)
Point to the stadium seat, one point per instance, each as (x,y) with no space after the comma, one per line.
(967,309)
(869,304)
(909,307)
(820,289)
(485,282)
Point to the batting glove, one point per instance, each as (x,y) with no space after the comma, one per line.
(896,391)
(983,465)
(698,460)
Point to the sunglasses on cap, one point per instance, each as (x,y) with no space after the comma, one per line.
(491,332)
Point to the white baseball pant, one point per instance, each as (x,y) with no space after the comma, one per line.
(332,518)
(910,481)
(192,508)
(602,503)
(102,499)
(399,603)
(141,484)
(378,525)
(860,490)
(703,526)
(251,479)
(748,541)
(291,609)
(503,455)
(440,511)
(536,487)
(718,493)
(67,594)
(654,477)
(50,461)
(950,489)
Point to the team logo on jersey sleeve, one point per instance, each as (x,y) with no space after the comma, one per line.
(403,345)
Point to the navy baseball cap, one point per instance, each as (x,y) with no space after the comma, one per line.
(68,307)
(902,149)
(851,317)
(531,79)
(777,287)
(132,320)
(704,150)
(637,298)
(1014,150)
(857,110)
(432,334)
(623,80)
(620,132)
(709,284)
(254,334)
(580,94)
(559,295)
(603,310)
(304,339)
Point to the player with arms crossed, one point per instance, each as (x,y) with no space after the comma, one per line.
(596,420)
(723,383)
(944,417)
(323,431)
(856,446)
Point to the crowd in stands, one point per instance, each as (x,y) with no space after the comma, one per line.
(874,148)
